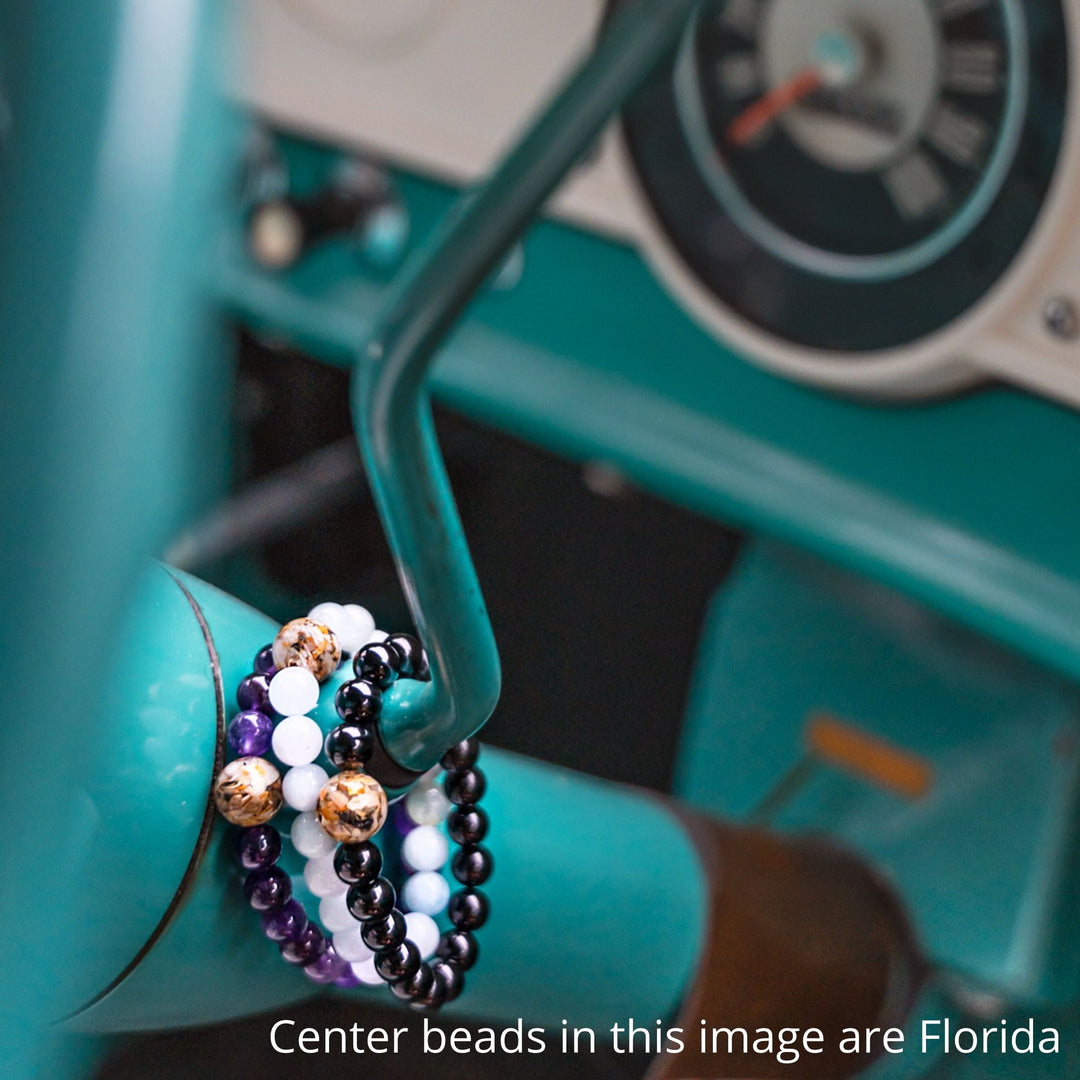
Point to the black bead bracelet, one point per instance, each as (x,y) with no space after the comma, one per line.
(351,804)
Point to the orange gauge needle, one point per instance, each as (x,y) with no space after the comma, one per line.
(755,116)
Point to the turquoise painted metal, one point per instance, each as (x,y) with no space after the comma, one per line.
(986,860)
(109,203)
(167,939)
(390,393)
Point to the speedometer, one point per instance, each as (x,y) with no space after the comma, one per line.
(846,177)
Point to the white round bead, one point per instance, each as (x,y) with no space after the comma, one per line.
(302,784)
(376,637)
(427,892)
(366,973)
(361,623)
(294,691)
(331,615)
(321,878)
(334,914)
(423,933)
(347,944)
(297,740)
(427,805)
(309,837)
(425,848)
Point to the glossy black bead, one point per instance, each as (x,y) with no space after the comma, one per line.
(462,755)
(411,653)
(259,845)
(399,962)
(303,948)
(264,661)
(434,998)
(465,786)
(468,909)
(385,933)
(358,864)
(358,702)
(371,901)
(472,864)
(254,693)
(449,974)
(467,824)
(459,946)
(267,888)
(350,745)
(377,664)
(415,986)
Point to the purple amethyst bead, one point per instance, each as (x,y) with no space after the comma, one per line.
(305,946)
(326,967)
(286,923)
(347,979)
(254,693)
(399,818)
(250,733)
(264,660)
(259,845)
(267,888)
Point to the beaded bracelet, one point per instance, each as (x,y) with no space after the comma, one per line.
(340,814)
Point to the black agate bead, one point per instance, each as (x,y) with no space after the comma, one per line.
(398,962)
(385,933)
(468,909)
(459,946)
(462,755)
(377,664)
(413,662)
(450,975)
(465,787)
(416,985)
(350,745)
(472,864)
(467,824)
(358,864)
(430,1001)
(358,702)
(371,901)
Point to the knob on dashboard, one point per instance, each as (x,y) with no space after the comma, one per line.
(358,203)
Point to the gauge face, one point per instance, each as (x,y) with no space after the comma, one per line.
(852,175)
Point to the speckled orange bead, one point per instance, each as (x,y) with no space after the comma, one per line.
(248,791)
(351,807)
(308,644)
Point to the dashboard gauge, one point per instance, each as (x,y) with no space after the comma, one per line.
(853,175)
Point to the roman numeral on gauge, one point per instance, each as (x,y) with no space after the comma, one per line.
(742,16)
(915,185)
(973,67)
(953,9)
(738,74)
(957,134)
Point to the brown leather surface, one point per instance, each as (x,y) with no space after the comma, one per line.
(801,935)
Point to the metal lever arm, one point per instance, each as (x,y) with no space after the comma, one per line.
(391,407)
